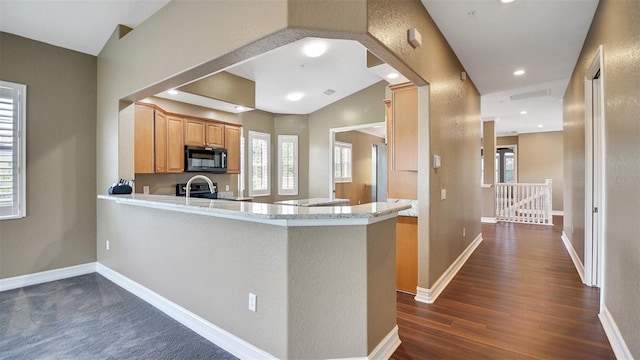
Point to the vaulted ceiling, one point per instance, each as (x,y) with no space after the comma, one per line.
(491,38)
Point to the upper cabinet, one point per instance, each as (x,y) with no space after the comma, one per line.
(161,141)
(199,132)
(214,135)
(404,127)
(175,144)
(160,138)
(232,141)
(194,132)
(144,143)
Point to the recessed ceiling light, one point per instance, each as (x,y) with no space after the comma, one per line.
(173,92)
(506,1)
(392,75)
(518,72)
(523,112)
(314,48)
(240,108)
(540,126)
(294,96)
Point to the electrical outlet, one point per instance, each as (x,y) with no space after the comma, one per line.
(464,232)
(252,302)
(107,244)
(443,194)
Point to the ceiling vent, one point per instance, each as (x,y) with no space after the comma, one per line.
(329,91)
(530,95)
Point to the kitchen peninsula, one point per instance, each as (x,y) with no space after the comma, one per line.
(324,277)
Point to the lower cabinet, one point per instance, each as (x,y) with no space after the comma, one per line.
(407,254)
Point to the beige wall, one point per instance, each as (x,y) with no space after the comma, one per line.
(340,278)
(358,191)
(294,125)
(136,67)
(540,157)
(454,133)
(60,227)
(363,107)
(616,26)
(489,148)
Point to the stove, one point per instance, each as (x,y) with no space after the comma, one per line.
(198,190)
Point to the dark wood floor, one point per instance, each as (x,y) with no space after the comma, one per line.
(517,297)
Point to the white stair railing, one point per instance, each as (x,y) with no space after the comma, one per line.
(524,203)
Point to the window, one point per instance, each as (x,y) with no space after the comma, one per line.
(287,165)
(342,162)
(12,150)
(259,164)
(241,175)
(506,165)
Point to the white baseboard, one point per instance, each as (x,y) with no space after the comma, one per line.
(209,331)
(488,220)
(384,350)
(619,346)
(387,346)
(574,256)
(557,213)
(430,295)
(46,276)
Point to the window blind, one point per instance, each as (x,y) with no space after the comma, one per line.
(12,204)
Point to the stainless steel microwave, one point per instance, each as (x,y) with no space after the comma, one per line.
(203,159)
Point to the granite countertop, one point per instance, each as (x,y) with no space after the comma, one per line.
(412,212)
(266,213)
(313,202)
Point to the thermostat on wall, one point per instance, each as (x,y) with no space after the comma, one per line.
(436,161)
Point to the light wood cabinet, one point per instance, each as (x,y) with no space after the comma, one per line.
(214,135)
(144,140)
(232,142)
(407,254)
(199,132)
(404,120)
(194,132)
(161,142)
(175,144)
(160,138)
(400,184)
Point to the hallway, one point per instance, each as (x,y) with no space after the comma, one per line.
(517,297)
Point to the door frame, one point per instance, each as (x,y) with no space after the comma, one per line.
(332,142)
(594,175)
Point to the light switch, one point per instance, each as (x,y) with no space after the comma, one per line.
(443,194)
(436,161)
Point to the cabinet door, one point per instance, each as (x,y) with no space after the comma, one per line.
(232,141)
(407,254)
(144,147)
(161,142)
(193,132)
(404,103)
(175,144)
(214,134)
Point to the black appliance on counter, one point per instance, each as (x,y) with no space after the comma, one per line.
(203,159)
(198,190)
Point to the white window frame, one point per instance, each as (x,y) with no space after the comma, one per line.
(241,176)
(338,160)
(255,135)
(283,139)
(19,170)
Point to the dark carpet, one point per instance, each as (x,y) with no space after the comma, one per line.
(89,317)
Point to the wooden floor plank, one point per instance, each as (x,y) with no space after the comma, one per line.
(517,297)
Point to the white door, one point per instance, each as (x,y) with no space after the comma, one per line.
(594,180)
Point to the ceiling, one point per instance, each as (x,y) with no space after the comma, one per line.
(83,26)
(491,39)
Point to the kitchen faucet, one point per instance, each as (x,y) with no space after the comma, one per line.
(188,194)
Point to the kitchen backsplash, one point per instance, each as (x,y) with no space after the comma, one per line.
(165,184)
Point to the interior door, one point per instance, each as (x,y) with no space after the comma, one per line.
(596,192)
